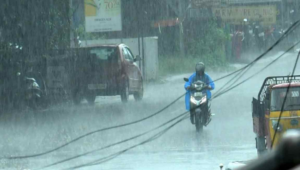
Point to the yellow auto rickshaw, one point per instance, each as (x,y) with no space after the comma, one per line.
(277,107)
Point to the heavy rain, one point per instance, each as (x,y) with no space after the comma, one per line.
(149,84)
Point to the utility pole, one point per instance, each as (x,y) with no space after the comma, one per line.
(143,16)
(282,14)
(137,13)
(72,44)
(121,32)
(297,9)
(181,10)
(178,6)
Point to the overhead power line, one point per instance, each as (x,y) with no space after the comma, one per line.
(286,94)
(247,79)
(93,132)
(234,79)
(294,25)
(249,66)
(228,89)
(288,31)
(112,156)
(117,143)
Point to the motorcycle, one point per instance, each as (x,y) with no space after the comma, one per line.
(198,100)
(28,92)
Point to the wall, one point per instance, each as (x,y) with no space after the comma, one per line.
(149,64)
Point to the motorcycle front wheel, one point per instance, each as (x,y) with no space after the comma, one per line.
(198,122)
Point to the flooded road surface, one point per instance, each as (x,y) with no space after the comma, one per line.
(229,137)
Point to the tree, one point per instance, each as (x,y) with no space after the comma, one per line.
(35,25)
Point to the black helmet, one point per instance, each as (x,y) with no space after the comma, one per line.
(200,69)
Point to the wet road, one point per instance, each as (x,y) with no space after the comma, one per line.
(229,137)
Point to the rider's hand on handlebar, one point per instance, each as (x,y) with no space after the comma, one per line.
(190,87)
(208,87)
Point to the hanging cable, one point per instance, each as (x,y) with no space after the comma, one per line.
(293,26)
(284,100)
(215,97)
(247,79)
(240,74)
(234,79)
(114,144)
(93,132)
(112,156)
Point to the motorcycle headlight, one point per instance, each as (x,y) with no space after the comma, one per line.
(204,99)
(274,125)
(193,100)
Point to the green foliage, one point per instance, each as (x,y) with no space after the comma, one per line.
(179,65)
(209,46)
(176,65)
(35,25)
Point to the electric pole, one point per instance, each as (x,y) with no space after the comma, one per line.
(181,10)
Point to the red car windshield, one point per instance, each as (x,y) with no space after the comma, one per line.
(292,99)
(104,53)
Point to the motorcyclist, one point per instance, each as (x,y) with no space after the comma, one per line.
(202,76)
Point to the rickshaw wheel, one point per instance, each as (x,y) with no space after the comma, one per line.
(260,145)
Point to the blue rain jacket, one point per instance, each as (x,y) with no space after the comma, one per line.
(192,78)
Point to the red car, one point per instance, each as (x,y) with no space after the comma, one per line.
(106,70)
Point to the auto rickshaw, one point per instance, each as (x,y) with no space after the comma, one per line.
(278,97)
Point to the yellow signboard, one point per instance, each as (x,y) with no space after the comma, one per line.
(266,14)
(90,8)
(102,15)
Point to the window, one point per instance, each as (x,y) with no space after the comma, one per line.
(130,54)
(127,54)
(104,53)
(292,99)
(101,57)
